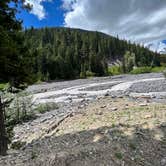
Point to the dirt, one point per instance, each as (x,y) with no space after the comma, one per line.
(107,132)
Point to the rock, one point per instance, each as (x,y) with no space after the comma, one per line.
(104,106)
(99,113)
(97,137)
(107,93)
(143,104)
(163,162)
(114,109)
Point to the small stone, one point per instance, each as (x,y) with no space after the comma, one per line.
(99,113)
(143,104)
(163,162)
(97,137)
(104,106)
(114,109)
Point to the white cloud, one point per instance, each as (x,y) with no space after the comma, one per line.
(137,20)
(38,8)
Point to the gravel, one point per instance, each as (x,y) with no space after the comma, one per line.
(74,94)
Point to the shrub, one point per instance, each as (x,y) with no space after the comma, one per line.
(115,70)
(82,75)
(42,108)
(90,74)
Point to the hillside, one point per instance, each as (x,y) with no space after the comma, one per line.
(65,53)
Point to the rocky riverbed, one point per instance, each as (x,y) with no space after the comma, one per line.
(71,95)
(74,96)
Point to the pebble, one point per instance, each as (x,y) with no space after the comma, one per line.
(114,109)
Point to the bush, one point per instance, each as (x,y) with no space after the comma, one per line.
(82,75)
(115,70)
(42,108)
(90,74)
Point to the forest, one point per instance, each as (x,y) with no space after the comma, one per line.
(65,53)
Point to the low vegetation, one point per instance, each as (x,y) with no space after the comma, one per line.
(45,107)
(115,70)
(141,70)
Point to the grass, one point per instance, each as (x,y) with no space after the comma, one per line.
(3,86)
(141,70)
(117,70)
(158,69)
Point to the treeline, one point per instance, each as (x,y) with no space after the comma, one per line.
(64,53)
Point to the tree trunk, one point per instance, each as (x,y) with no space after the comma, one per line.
(3,136)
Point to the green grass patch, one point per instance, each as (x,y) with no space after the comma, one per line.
(141,70)
(3,86)
(158,69)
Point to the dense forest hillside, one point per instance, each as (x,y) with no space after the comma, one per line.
(65,53)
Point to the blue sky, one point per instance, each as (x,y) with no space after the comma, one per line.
(141,21)
(54,16)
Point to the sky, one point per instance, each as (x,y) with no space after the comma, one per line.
(141,21)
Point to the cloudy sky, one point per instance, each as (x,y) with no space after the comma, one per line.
(136,20)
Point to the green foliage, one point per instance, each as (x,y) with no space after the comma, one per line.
(146,69)
(129,61)
(115,70)
(90,74)
(141,70)
(3,86)
(42,108)
(15,60)
(158,69)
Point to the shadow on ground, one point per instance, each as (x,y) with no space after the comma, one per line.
(121,145)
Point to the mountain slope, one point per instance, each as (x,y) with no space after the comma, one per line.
(65,53)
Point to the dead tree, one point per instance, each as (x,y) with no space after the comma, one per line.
(3,135)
